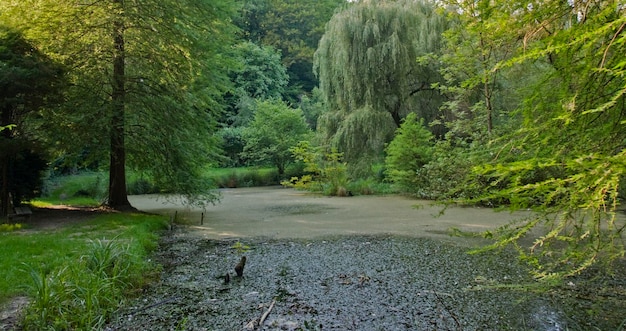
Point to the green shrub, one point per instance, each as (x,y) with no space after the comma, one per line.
(142,186)
(325,173)
(250,176)
(408,152)
(86,188)
(6,227)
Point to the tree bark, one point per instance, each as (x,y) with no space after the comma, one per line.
(5,161)
(4,194)
(118,196)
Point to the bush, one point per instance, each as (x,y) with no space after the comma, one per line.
(85,188)
(142,186)
(325,173)
(243,177)
(408,152)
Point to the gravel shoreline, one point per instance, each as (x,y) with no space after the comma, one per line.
(377,282)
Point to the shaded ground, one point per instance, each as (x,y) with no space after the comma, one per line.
(53,217)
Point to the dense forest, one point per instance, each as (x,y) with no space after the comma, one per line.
(517,104)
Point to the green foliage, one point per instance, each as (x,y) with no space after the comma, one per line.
(408,152)
(275,129)
(142,185)
(27,172)
(566,158)
(326,173)
(262,75)
(152,72)
(244,177)
(82,295)
(6,227)
(240,248)
(232,146)
(578,205)
(367,63)
(294,28)
(313,107)
(29,81)
(478,90)
(82,189)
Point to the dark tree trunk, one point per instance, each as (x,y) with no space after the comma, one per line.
(5,161)
(118,196)
(4,194)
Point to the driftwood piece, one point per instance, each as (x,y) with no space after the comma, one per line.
(266,313)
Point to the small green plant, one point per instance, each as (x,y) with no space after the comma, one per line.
(108,259)
(240,248)
(6,227)
(82,273)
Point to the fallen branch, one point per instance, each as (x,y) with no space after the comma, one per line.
(266,313)
(153,305)
(456,320)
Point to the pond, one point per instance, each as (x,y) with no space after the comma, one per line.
(357,263)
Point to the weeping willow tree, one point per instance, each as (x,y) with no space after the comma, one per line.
(376,63)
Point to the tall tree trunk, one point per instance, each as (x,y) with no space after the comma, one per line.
(5,161)
(118,196)
(487,90)
(488,106)
(4,194)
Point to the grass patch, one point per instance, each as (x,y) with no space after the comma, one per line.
(82,189)
(79,274)
(250,176)
(242,177)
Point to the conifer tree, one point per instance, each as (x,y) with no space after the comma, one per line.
(146,79)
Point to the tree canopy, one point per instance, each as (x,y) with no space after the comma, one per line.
(147,78)
(294,28)
(566,158)
(29,81)
(276,128)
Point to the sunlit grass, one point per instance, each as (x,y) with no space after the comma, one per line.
(65,249)
(82,189)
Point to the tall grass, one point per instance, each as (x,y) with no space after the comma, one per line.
(77,276)
(83,189)
(89,188)
(243,177)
